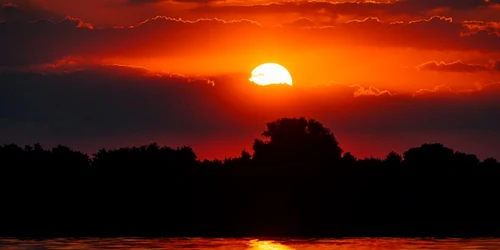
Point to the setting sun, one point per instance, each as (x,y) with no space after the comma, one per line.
(271,73)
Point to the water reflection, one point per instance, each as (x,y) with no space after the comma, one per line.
(250,244)
(267,245)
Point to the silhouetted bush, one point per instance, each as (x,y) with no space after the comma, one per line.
(297,182)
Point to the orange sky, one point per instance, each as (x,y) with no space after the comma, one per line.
(372,48)
(359,43)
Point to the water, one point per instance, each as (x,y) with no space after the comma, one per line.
(251,244)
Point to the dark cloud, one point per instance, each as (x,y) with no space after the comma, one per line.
(353,8)
(434,33)
(426,5)
(107,100)
(437,33)
(42,41)
(25,11)
(8,10)
(100,102)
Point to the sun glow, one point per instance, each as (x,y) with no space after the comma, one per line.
(271,73)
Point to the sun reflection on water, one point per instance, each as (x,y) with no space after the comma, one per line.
(250,244)
(267,245)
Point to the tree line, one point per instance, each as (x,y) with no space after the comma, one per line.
(297,182)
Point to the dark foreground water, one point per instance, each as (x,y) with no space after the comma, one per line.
(250,244)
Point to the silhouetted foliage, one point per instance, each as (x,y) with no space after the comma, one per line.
(297,142)
(349,159)
(297,182)
(393,159)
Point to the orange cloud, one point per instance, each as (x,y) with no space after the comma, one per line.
(473,27)
(458,66)
(493,87)
(441,89)
(370,91)
(483,89)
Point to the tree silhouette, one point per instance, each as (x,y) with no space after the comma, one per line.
(489,163)
(393,159)
(349,159)
(298,182)
(297,141)
(429,155)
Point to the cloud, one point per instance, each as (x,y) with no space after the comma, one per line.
(300,22)
(370,91)
(128,12)
(489,90)
(492,88)
(177,37)
(24,11)
(104,100)
(437,33)
(413,8)
(458,66)
(425,5)
(441,89)
(77,38)
(473,27)
(9,9)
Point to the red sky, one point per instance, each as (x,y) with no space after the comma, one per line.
(382,75)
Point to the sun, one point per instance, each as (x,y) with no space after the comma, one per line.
(271,73)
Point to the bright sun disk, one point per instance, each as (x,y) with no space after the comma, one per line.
(271,73)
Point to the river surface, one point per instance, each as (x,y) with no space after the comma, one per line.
(251,244)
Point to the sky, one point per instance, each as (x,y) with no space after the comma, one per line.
(382,75)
